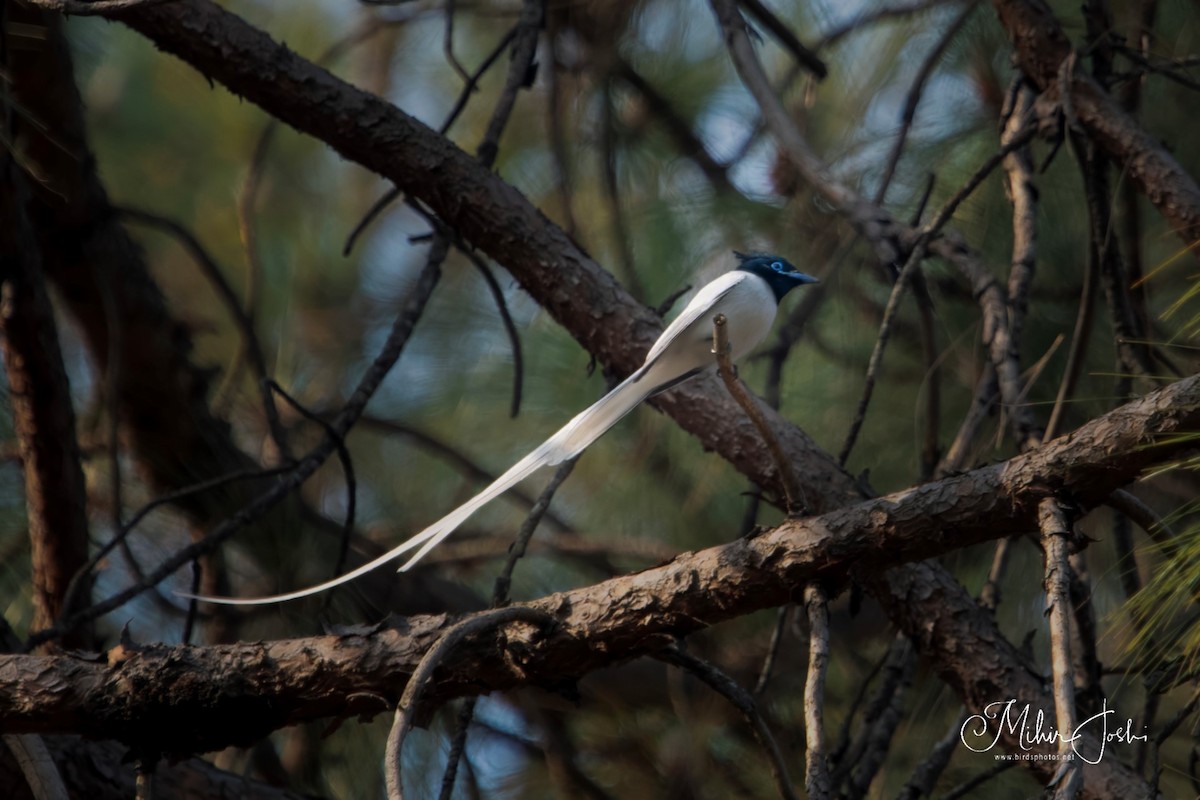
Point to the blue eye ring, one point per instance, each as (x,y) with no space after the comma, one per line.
(777,266)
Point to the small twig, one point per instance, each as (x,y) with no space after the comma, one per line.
(621,238)
(519,546)
(867,19)
(816,772)
(377,208)
(768,665)
(916,255)
(406,710)
(925,776)
(78,579)
(1168,729)
(1077,354)
(392,194)
(913,98)
(520,74)
(510,327)
(989,595)
(459,462)
(793,493)
(347,463)
(966,788)
(448,43)
(860,760)
(1056,539)
(803,55)
(743,701)
(458,746)
(1145,518)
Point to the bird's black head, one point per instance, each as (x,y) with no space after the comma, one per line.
(778,272)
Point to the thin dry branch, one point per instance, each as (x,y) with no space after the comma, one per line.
(1056,542)
(406,711)
(744,701)
(793,492)
(816,772)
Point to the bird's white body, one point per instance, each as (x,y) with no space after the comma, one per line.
(684,349)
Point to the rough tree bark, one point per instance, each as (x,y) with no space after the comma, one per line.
(139,694)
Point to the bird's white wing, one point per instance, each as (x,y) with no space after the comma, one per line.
(708,296)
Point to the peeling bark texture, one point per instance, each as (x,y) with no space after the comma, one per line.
(43,419)
(101,771)
(1041,49)
(138,694)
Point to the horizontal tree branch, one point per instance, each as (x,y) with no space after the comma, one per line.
(139,694)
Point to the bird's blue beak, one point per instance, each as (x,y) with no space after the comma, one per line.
(800,277)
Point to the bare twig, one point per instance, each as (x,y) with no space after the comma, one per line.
(915,92)
(347,463)
(764,674)
(392,194)
(925,776)
(728,688)
(1056,539)
(864,21)
(406,711)
(967,788)
(521,543)
(37,765)
(793,492)
(510,327)
(80,578)
(612,195)
(520,73)
(803,55)
(816,772)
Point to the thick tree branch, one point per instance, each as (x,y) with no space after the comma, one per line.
(138,696)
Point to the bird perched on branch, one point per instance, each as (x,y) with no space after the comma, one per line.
(747,297)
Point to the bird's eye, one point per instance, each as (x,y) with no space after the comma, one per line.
(778,266)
